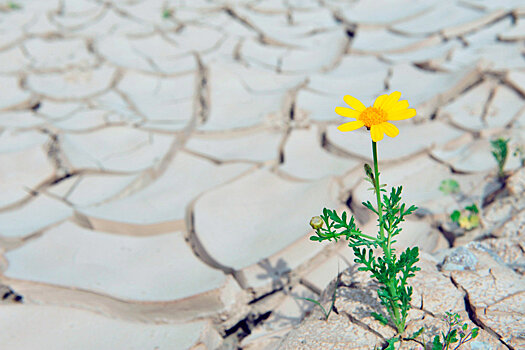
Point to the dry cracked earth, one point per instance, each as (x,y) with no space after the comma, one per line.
(160,161)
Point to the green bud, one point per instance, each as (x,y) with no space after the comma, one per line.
(368,171)
(316,222)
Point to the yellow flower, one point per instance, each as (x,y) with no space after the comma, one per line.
(376,117)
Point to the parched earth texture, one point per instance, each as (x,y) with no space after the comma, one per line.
(160,161)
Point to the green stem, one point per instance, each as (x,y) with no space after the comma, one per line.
(355,233)
(386,249)
(378,192)
(378,197)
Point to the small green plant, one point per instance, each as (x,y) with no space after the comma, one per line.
(456,333)
(449,186)
(13,5)
(390,271)
(467,219)
(500,151)
(167,13)
(316,302)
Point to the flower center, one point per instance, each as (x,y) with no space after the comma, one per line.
(373,116)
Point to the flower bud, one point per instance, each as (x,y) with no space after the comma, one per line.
(368,171)
(316,222)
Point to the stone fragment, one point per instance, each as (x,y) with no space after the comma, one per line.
(432,55)
(284,316)
(517,79)
(257,146)
(441,85)
(33,217)
(73,84)
(161,99)
(260,55)
(12,60)
(21,172)
(317,106)
(304,158)
(89,190)
(11,92)
(74,257)
(384,41)
(118,148)
(459,259)
(275,271)
(367,13)
(85,120)
(58,54)
(514,33)
(78,14)
(64,328)
(496,295)
(433,291)
(161,206)
(152,54)
(509,250)
(323,273)
(504,107)
(115,24)
(226,86)
(14,141)
(468,110)
(473,157)
(20,120)
(498,57)
(318,52)
(235,211)
(449,18)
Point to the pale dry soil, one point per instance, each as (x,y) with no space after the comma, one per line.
(160,161)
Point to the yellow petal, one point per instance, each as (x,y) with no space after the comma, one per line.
(347,112)
(403,114)
(391,100)
(380,100)
(390,129)
(376,132)
(354,103)
(356,124)
(399,106)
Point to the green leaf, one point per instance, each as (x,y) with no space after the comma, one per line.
(326,314)
(391,342)
(315,238)
(464,327)
(380,318)
(452,338)
(475,332)
(417,333)
(472,208)
(455,216)
(449,186)
(436,344)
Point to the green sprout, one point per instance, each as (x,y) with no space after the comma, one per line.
(500,152)
(449,186)
(455,329)
(389,270)
(467,219)
(167,13)
(13,5)
(316,302)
